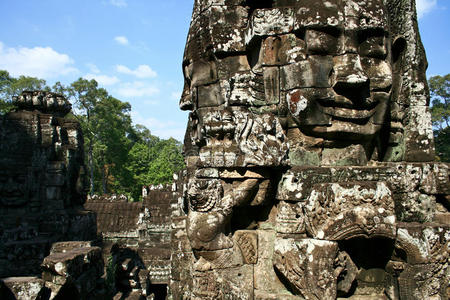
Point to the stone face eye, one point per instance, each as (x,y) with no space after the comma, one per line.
(320,42)
(373,44)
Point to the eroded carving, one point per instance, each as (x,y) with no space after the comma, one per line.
(42,182)
(309,126)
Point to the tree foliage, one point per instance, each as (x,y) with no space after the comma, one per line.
(121,157)
(440,112)
(155,161)
(10,87)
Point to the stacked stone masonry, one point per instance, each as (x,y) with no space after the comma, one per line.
(136,238)
(42,192)
(310,171)
(310,156)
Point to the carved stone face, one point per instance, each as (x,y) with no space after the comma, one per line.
(14,187)
(322,68)
(340,91)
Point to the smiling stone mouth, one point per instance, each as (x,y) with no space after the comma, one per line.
(342,108)
(349,113)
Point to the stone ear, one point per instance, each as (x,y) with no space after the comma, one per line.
(398,47)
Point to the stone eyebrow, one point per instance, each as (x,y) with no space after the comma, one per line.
(372,30)
(333,30)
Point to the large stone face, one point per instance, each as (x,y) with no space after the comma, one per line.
(344,78)
(309,155)
(42,184)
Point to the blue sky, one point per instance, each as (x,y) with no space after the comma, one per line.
(134,48)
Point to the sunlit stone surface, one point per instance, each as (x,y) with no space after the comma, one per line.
(310,156)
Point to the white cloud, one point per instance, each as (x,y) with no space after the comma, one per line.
(142,71)
(162,129)
(119,3)
(103,79)
(41,62)
(121,40)
(93,68)
(137,89)
(425,6)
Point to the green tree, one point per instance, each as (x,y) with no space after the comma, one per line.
(113,127)
(153,161)
(168,159)
(10,87)
(440,112)
(85,94)
(106,125)
(121,158)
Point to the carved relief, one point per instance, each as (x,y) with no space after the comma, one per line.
(207,231)
(40,182)
(336,211)
(204,194)
(307,265)
(290,218)
(309,126)
(237,138)
(14,187)
(248,243)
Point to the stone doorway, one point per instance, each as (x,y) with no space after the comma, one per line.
(364,265)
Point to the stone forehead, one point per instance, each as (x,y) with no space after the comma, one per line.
(18,168)
(341,13)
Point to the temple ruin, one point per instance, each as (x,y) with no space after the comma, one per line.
(42,192)
(311,171)
(310,155)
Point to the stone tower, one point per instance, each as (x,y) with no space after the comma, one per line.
(310,156)
(42,182)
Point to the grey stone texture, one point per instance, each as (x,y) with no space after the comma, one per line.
(42,192)
(42,182)
(310,171)
(138,240)
(310,157)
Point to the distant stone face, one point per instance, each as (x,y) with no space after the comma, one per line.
(42,182)
(309,154)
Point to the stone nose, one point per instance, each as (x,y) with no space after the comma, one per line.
(347,69)
(348,78)
(10,185)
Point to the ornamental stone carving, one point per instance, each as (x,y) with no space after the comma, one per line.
(42,182)
(310,156)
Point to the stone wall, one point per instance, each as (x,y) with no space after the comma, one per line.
(41,182)
(137,239)
(43,201)
(42,192)
(310,156)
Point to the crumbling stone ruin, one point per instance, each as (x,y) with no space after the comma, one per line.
(310,171)
(55,245)
(136,241)
(310,156)
(42,192)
